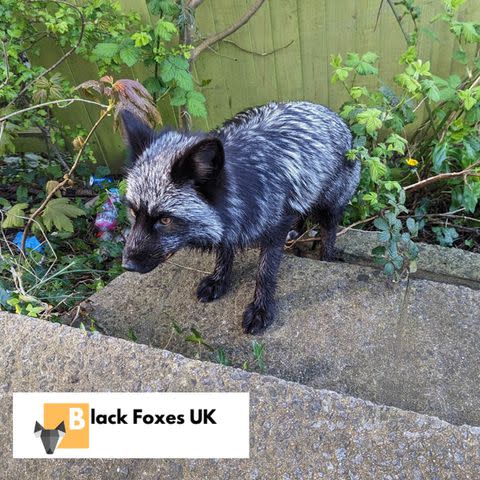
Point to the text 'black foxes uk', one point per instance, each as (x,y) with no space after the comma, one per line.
(242,185)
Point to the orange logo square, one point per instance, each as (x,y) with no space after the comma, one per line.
(76,419)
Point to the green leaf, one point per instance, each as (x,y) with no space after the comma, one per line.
(362,65)
(445,235)
(389,269)
(470,32)
(154,85)
(439,156)
(431,89)
(461,56)
(396,143)
(165,30)
(468,98)
(178,98)
(141,39)
(59,212)
(163,7)
(357,92)
(413,250)
(398,262)
(412,226)
(178,329)
(378,251)
(371,119)
(381,224)
(471,195)
(106,50)
(183,78)
(196,104)
(13,216)
(130,55)
(175,68)
(371,198)
(408,82)
(384,236)
(376,168)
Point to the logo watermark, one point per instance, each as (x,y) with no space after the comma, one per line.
(131,425)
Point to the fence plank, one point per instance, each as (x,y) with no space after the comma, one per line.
(283,53)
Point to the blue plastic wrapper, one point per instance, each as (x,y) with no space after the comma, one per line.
(32,242)
(99,180)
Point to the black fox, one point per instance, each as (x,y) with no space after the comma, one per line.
(244,184)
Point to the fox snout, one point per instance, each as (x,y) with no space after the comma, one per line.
(139,262)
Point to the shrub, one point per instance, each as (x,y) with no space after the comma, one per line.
(417,137)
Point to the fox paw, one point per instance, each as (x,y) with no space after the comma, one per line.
(256,319)
(210,289)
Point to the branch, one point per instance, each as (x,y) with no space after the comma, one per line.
(7,66)
(194,4)
(467,172)
(66,179)
(260,54)
(63,57)
(68,102)
(208,42)
(399,20)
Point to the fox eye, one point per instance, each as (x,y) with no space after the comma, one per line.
(165,220)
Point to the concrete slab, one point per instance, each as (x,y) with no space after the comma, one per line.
(340,327)
(441,264)
(296,432)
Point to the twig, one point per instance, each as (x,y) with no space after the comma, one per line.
(63,57)
(208,42)
(458,227)
(7,66)
(68,102)
(260,54)
(399,21)
(353,225)
(378,15)
(467,172)
(66,177)
(187,268)
(292,243)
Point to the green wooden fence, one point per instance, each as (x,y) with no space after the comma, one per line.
(283,53)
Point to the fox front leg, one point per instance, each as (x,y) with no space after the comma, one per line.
(261,312)
(216,284)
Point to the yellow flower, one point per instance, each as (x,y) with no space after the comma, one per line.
(411,162)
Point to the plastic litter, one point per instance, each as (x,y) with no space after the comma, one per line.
(99,180)
(32,242)
(106,219)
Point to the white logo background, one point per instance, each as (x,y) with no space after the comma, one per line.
(228,438)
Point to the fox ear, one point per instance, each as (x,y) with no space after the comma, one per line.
(61,429)
(38,429)
(203,163)
(138,135)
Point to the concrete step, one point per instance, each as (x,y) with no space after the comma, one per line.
(340,327)
(440,264)
(296,432)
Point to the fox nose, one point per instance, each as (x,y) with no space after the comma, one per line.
(49,452)
(131,265)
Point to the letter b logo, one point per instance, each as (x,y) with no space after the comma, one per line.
(76,419)
(77,422)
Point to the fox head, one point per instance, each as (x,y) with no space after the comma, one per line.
(50,438)
(172,188)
